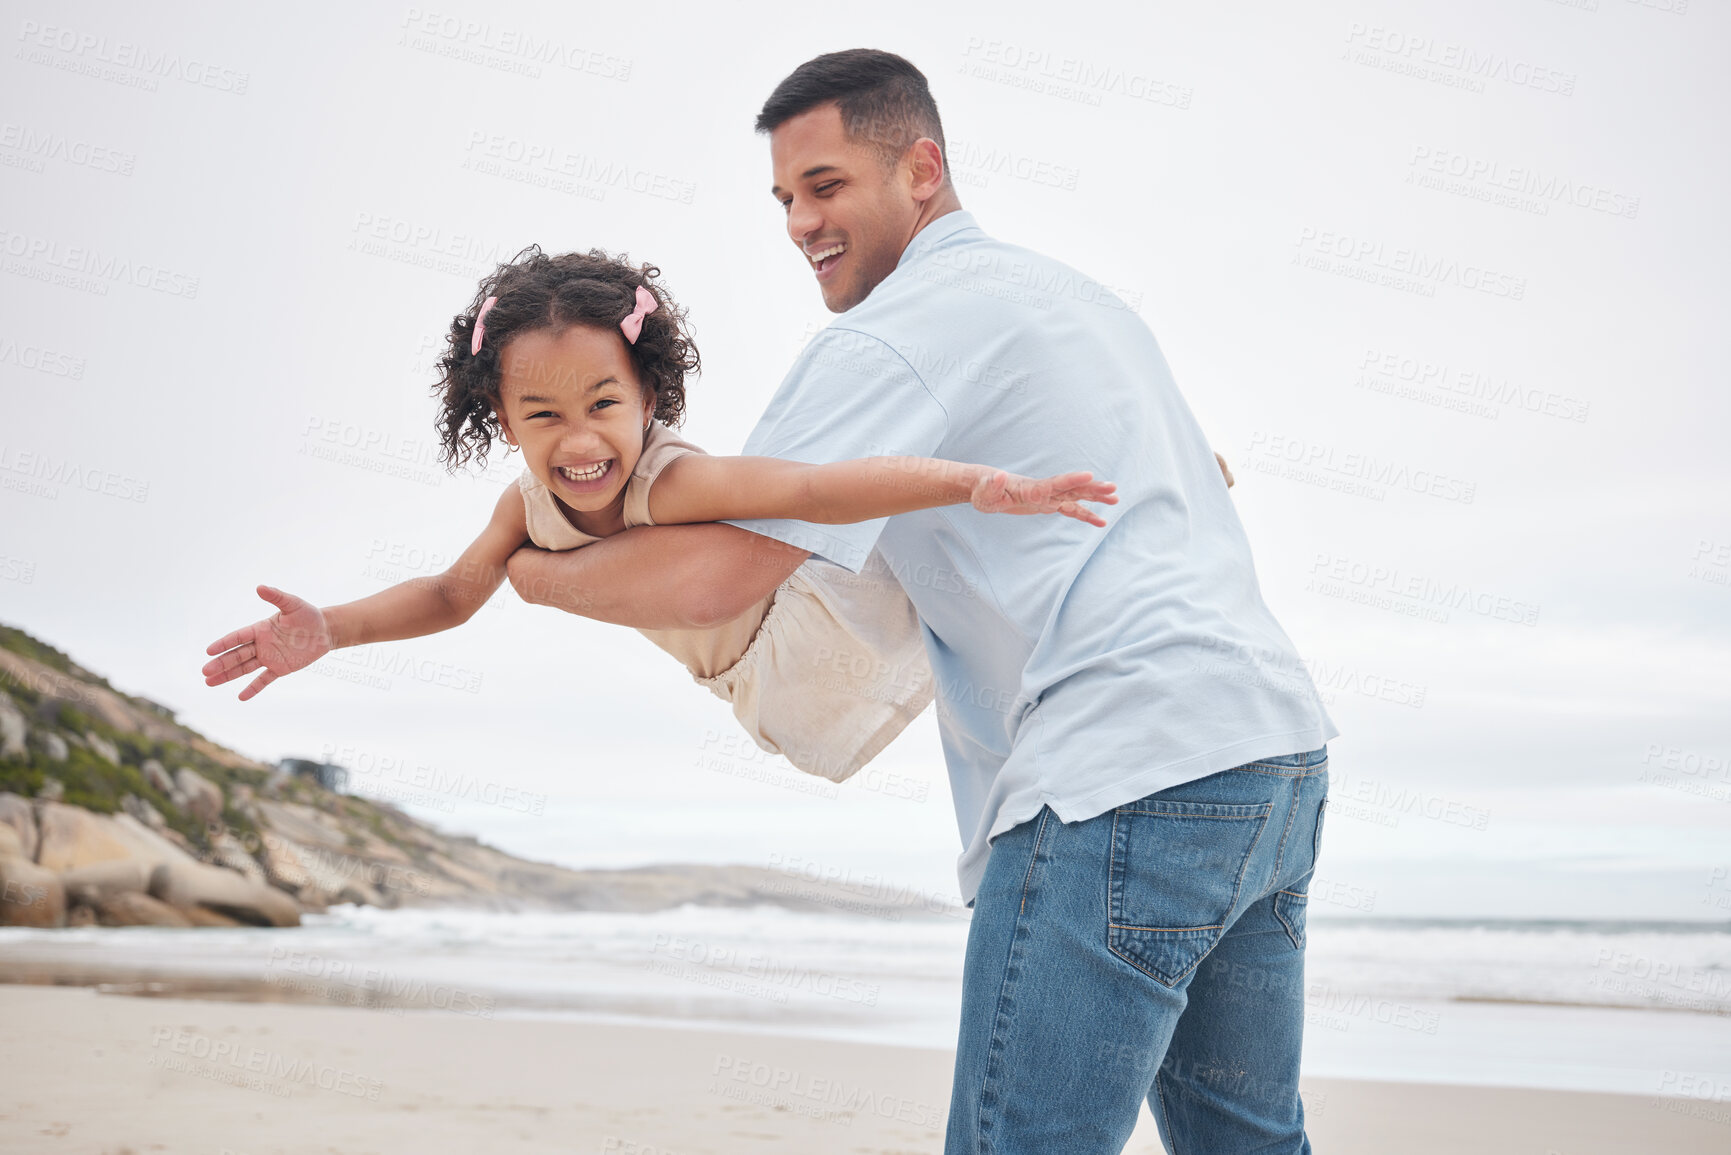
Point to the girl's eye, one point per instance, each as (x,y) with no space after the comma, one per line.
(605,401)
(542,413)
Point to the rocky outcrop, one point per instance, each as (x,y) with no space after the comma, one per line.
(222,840)
(102,747)
(156,776)
(13,728)
(72,837)
(30,895)
(16,815)
(188,885)
(227,850)
(136,908)
(197,795)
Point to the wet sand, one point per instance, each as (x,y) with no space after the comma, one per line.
(86,1071)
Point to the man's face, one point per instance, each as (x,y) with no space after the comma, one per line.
(850,218)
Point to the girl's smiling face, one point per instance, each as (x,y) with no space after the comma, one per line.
(571,401)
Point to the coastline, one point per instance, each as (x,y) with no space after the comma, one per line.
(92,1072)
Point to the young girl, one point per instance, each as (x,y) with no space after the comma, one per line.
(580,361)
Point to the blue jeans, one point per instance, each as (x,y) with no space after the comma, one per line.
(1156,951)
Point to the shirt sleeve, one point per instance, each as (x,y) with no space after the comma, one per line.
(849,395)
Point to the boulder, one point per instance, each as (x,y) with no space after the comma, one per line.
(146,814)
(102,747)
(313,899)
(199,916)
(361,894)
(10,846)
(227,850)
(132,908)
(53,789)
(72,837)
(55,747)
(13,729)
(214,890)
(283,866)
(30,895)
(16,812)
(156,776)
(197,795)
(99,881)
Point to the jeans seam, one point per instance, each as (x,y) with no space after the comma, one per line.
(1271,771)
(1165,1113)
(1291,931)
(1280,851)
(1012,971)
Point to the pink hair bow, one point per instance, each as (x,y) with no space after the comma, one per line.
(632,326)
(480,329)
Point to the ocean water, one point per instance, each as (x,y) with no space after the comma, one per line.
(1609,1006)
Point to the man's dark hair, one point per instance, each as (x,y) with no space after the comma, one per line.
(884,101)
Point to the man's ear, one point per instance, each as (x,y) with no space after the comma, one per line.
(925,163)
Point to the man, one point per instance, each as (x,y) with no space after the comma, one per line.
(1135,750)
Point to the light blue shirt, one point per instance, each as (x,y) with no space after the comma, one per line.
(1077,667)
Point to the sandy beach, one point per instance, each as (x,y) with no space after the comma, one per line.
(105,1074)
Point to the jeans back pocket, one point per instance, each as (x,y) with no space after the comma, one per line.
(1292,903)
(1177,871)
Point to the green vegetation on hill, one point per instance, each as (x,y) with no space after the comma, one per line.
(36,650)
(89,778)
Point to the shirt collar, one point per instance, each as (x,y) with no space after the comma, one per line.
(937,233)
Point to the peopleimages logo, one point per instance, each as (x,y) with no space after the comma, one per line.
(85,51)
(1303,460)
(1424,56)
(38,146)
(1484,177)
(1372,256)
(36,473)
(45,258)
(503,47)
(40,359)
(1461,387)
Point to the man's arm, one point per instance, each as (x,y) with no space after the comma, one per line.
(658,577)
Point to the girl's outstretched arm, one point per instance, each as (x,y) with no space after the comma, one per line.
(698,487)
(300,633)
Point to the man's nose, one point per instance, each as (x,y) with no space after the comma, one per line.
(803,220)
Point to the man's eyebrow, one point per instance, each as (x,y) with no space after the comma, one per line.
(817,170)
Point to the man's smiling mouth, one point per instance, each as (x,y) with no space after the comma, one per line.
(824,259)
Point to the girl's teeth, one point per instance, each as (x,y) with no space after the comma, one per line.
(588,474)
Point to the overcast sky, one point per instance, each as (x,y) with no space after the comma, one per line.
(1438,279)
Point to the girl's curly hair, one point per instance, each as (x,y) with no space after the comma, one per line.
(537,291)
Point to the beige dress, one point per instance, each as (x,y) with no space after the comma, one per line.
(826,670)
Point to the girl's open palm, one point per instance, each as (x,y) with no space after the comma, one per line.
(293,638)
(1003,492)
